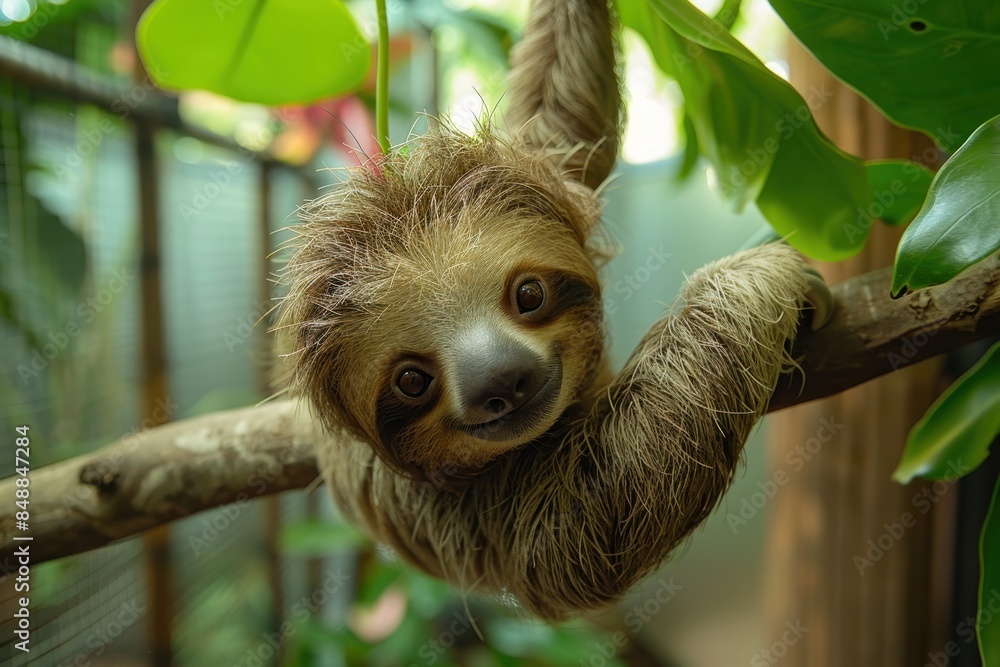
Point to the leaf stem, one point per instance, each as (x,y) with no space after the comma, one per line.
(382,80)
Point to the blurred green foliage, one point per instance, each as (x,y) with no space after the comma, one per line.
(398,616)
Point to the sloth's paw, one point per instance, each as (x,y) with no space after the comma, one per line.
(818,298)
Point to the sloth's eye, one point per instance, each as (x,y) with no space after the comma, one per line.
(530,296)
(413,383)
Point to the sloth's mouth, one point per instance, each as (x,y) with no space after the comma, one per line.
(523,418)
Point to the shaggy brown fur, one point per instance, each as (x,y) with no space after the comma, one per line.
(399,258)
(411,253)
(563,89)
(571,522)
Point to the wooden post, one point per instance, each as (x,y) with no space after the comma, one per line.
(153,346)
(271,509)
(156,543)
(861,561)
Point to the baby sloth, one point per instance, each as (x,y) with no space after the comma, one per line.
(455,311)
(446,313)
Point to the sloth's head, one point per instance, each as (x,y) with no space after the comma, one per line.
(444,302)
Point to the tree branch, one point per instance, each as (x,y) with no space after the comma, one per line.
(180,469)
(156,476)
(872,334)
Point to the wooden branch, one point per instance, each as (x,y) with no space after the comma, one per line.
(153,477)
(872,334)
(180,469)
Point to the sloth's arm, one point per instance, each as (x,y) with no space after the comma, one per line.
(702,376)
(660,446)
(563,88)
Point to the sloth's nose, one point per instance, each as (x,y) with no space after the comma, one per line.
(498,375)
(504,389)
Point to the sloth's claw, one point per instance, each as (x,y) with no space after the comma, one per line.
(819,298)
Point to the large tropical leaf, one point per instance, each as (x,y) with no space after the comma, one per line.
(757,131)
(955,434)
(263,51)
(988,625)
(959,224)
(927,65)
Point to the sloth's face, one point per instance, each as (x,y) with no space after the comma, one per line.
(444,307)
(482,338)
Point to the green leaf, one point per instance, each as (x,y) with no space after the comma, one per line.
(728,13)
(294,51)
(638,15)
(691,152)
(988,631)
(923,64)
(899,189)
(955,434)
(757,131)
(958,225)
(320,538)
